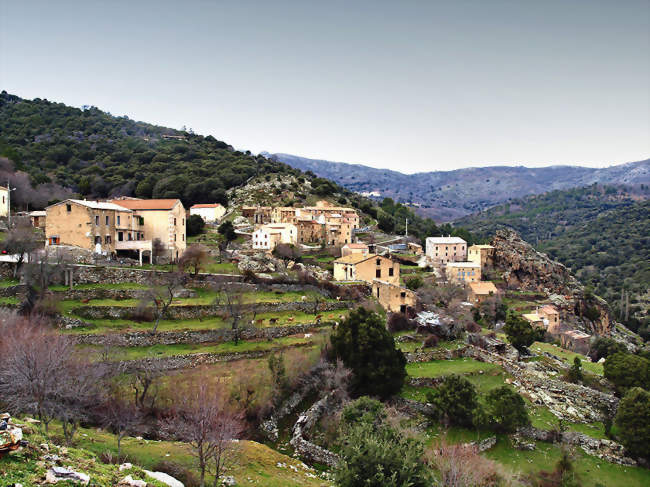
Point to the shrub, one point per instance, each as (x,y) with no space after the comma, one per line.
(368,349)
(506,409)
(604,347)
(414,283)
(382,457)
(430,341)
(455,400)
(399,322)
(574,374)
(520,333)
(363,410)
(633,420)
(195,225)
(626,371)
(179,472)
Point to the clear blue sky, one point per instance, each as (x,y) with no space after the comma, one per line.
(413,86)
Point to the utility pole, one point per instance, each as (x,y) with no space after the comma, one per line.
(407,228)
(9,190)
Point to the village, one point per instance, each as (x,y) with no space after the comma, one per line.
(139,228)
(125,280)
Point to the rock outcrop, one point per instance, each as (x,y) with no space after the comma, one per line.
(10,435)
(526,269)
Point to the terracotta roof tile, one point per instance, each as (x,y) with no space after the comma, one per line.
(156,204)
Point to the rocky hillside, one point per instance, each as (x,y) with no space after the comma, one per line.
(524,268)
(448,195)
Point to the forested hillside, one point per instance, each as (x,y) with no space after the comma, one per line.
(98,155)
(601,232)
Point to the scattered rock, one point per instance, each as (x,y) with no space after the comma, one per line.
(164,478)
(131,482)
(228,480)
(126,466)
(61,474)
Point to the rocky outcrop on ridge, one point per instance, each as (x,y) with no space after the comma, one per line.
(526,269)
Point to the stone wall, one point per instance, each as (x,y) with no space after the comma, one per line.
(428,356)
(193,312)
(306,422)
(147,339)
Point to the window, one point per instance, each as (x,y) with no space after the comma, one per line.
(54,240)
(130,237)
(390,271)
(98,239)
(120,236)
(68,208)
(118,219)
(107,239)
(174,221)
(174,237)
(183,236)
(183,221)
(378,261)
(141,220)
(378,273)
(402,294)
(107,220)
(377,291)
(402,308)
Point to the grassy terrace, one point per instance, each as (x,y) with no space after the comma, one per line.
(283,319)
(135,353)
(440,368)
(567,356)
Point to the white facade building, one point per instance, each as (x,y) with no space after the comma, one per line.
(267,237)
(210,213)
(4,201)
(446,249)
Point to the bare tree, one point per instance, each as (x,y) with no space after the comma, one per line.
(204,420)
(39,274)
(158,249)
(160,294)
(195,257)
(20,241)
(39,374)
(233,302)
(144,384)
(121,418)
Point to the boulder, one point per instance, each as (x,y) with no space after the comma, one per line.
(62,474)
(129,481)
(164,478)
(10,435)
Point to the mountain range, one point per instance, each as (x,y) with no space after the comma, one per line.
(449,195)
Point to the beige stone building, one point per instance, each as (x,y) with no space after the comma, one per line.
(463,272)
(446,249)
(37,218)
(483,254)
(354,248)
(163,219)
(257,215)
(97,226)
(480,291)
(359,267)
(534,319)
(393,298)
(576,340)
(551,317)
(267,237)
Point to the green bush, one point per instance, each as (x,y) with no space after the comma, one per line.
(506,409)
(455,401)
(633,421)
(626,371)
(520,333)
(195,225)
(368,349)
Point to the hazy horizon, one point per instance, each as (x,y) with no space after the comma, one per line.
(408,86)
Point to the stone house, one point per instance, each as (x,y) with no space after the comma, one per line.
(163,220)
(37,218)
(393,298)
(463,272)
(267,237)
(575,340)
(446,249)
(211,212)
(4,201)
(257,215)
(483,254)
(534,319)
(480,291)
(97,226)
(551,317)
(354,248)
(359,267)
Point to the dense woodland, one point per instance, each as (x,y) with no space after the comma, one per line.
(602,233)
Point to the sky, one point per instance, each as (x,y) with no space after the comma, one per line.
(406,85)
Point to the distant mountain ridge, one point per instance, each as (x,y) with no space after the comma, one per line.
(448,195)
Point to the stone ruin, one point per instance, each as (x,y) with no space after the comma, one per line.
(11,436)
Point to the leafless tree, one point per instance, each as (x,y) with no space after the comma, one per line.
(287,252)
(39,274)
(158,249)
(121,418)
(27,196)
(144,384)
(235,309)
(204,420)
(20,241)
(440,295)
(160,294)
(40,375)
(195,257)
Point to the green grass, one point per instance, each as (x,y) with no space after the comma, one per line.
(412,346)
(9,300)
(102,326)
(9,282)
(439,368)
(567,356)
(100,285)
(135,353)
